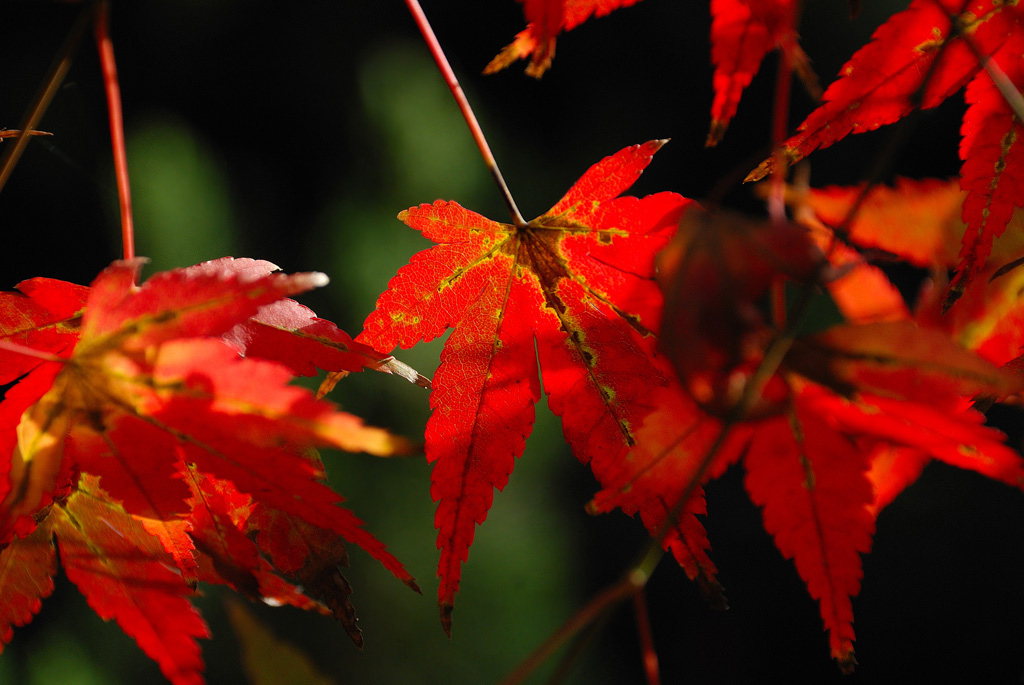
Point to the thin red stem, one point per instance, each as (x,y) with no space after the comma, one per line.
(8,346)
(467,112)
(593,610)
(113,90)
(780,131)
(777,189)
(643,628)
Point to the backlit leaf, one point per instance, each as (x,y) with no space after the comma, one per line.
(572,289)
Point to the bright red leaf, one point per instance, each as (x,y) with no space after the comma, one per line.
(821,471)
(742,33)
(993,152)
(177,438)
(44,315)
(809,481)
(545,20)
(574,288)
(852,415)
(917,59)
(126,575)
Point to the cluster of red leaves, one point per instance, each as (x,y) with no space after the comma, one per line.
(153,433)
(846,423)
(919,58)
(829,426)
(852,414)
(546,19)
(742,33)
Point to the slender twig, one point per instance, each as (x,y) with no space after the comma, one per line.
(58,69)
(467,112)
(777,187)
(620,591)
(8,346)
(1006,88)
(995,72)
(643,627)
(780,131)
(113,92)
(575,651)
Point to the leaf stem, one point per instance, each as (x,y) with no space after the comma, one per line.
(620,591)
(467,111)
(8,346)
(643,626)
(58,70)
(101,28)
(777,184)
(1006,87)
(780,129)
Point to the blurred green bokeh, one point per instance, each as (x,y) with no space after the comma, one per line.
(180,199)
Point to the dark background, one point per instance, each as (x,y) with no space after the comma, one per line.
(295,132)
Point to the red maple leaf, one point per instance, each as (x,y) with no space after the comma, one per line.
(821,470)
(920,222)
(742,33)
(573,288)
(919,58)
(145,442)
(848,422)
(546,19)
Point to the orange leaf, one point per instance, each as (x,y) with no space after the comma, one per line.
(898,359)
(27,567)
(125,574)
(150,399)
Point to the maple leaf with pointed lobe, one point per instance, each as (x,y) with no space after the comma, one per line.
(742,33)
(141,439)
(921,223)
(545,20)
(848,421)
(918,58)
(574,289)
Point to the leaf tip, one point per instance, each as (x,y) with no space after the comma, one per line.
(715,133)
(760,172)
(713,592)
(317,279)
(446,617)
(329,382)
(956,291)
(402,370)
(847,662)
